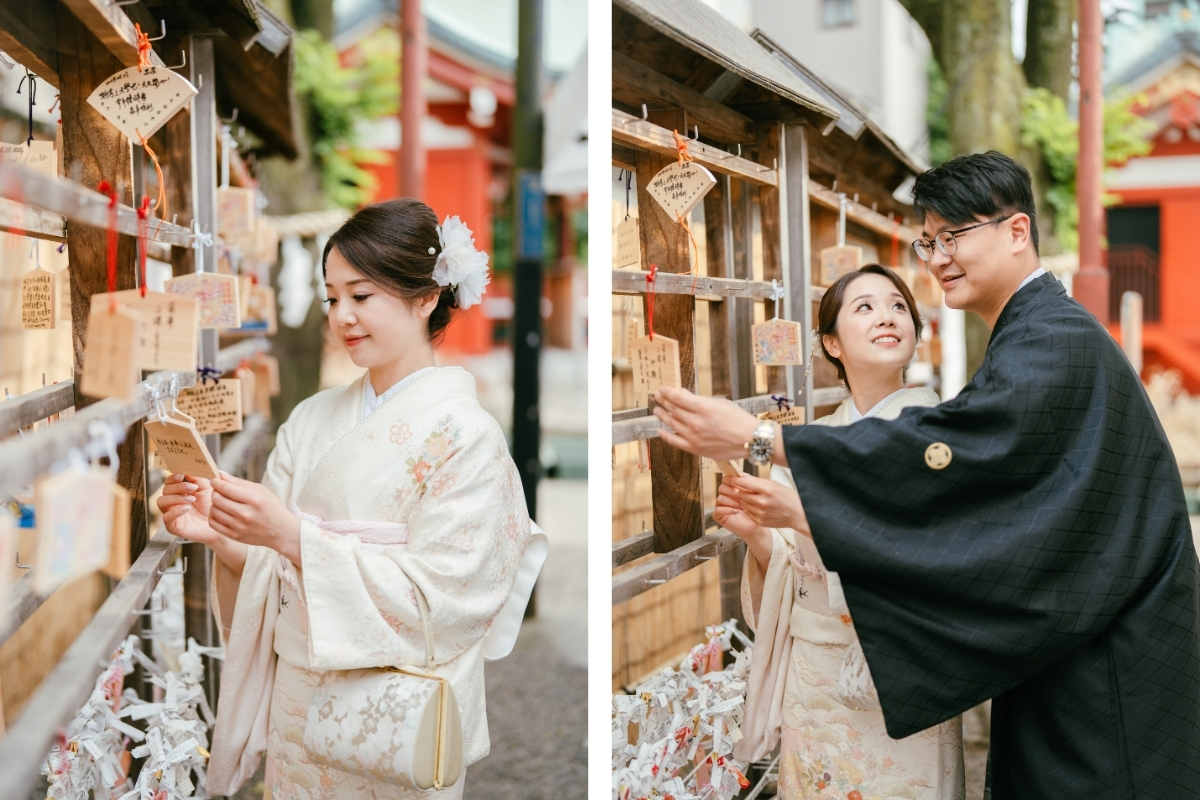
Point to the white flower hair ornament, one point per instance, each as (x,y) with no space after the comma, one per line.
(459,264)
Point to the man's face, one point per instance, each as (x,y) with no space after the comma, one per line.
(982,271)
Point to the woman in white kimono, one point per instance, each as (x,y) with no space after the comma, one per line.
(398,479)
(809,678)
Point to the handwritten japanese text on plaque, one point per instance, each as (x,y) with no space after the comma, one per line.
(180,447)
(138,103)
(216,407)
(678,188)
(628,252)
(37,300)
(167,331)
(655,363)
(217,294)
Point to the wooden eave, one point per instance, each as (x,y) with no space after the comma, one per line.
(691,46)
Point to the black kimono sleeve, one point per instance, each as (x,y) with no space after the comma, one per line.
(1052,553)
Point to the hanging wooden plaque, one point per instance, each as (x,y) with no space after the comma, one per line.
(836,261)
(40,157)
(245,287)
(249,389)
(74,526)
(236,209)
(37,300)
(181,447)
(730,468)
(628,252)
(217,295)
(785,416)
(140,101)
(655,363)
(777,341)
(678,188)
(118,551)
(109,369)
(216,407)
(167,330)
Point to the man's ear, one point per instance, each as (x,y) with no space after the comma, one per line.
(1022,232)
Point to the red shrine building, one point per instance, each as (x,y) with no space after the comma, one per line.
(1154,228)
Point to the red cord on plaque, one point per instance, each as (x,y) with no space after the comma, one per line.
(681,150)
(162,182)
(144,48)
(143,213)
(650,301)
(107,188)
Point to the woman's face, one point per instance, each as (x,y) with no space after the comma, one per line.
(875,330)
(376,327)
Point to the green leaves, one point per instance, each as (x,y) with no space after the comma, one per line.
(1047,127)
(341,98)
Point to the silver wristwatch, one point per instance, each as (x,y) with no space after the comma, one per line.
(761,446)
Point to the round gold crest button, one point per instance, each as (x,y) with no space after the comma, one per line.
(937,456)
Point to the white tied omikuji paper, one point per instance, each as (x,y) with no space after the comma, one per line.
(87,760)
(687,721)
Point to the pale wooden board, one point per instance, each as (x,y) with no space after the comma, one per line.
(777,341)
(109,369)
(181,447)
(168,331)
(655,363)
(679,188)
(38,300)
(628,252)
(217,295)
(216,407)
(74,519)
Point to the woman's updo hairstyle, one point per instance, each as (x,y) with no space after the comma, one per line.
(835,298)
(394,244)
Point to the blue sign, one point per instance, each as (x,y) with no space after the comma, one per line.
(531,214)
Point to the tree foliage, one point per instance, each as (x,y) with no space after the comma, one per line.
(342,97)
(1047,127)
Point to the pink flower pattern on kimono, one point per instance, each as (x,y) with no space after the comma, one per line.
(371,436)
(441,484)
(399,434)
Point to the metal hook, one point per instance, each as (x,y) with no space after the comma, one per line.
(147,612)
(232,119)
(17,560)
(739,153)
(180,571)
(708,558)
(645,113)
(162,24)
(182,64)
(656,581)
(123,2)
(696,132)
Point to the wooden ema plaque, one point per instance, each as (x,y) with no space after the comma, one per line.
(41,158)
(777,341)
(628,252)
(217,295)
(74,525)
(109,368)
(118,552)
(260,312)
(37,300)
(249,389)
(8,548)
(216,407)
(140,101)
(655,363)
(245,286)
(785,416)
(180,447)
(836,261)
(167,332)
(679,188)
(235,211)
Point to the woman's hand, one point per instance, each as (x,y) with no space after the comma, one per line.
(186,505)
(768,503)
(730,516)
(249,513)
(707,426)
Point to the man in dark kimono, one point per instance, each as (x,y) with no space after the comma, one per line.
(1026,541)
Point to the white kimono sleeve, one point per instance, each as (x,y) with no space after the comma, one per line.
(466,535)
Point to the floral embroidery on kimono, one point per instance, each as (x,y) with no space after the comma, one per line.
(432,483)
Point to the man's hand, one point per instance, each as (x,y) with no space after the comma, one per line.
(706,426)
(767,503)
(249,513)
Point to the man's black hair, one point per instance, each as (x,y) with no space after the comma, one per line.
(977,185)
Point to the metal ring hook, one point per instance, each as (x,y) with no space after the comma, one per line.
(180,65)
(162,24)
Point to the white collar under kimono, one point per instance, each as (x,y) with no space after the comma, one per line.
(371,402)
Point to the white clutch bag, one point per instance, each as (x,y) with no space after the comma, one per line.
(395,725)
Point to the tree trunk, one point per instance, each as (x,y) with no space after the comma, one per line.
(972,42)
(1049,41)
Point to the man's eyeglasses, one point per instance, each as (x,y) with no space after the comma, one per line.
(946,242)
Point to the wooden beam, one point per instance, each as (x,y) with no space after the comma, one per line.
(658,571)
(770,224)
(113,28)
(801,293)
(177,169)
(741,228)
(21,412)
(72,680)
(634,83)
(657,139)
(29,34)
(99,152)
(699,286)
(863,215)
(639,423)
(626,550)
(675,474)
(35,223)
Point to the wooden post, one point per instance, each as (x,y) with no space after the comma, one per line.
(741,218)
(793,178)
(98,151)
(675,474)
(772,256)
